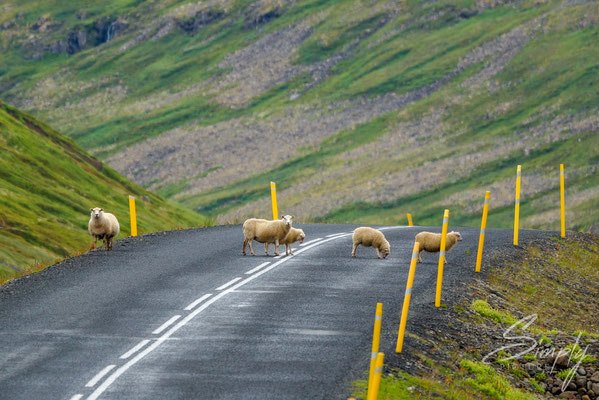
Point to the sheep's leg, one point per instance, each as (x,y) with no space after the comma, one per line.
(277,247)
(353,253)
(95,242)
(420,257)
(290,249)
(266,248)
(378,254)
(110,244)
(251,248)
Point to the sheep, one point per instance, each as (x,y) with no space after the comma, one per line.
(103,225)
(264,231)
(371,237)
(431,242)
(294,235)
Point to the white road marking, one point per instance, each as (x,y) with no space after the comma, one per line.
(76,397)
(92,382)
(226,285)
(310,242)
(251,271)
(121,370)
(166,324)
(134,349)
(394,227)
(337,234)
(198,301)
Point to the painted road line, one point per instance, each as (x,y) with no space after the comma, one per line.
(166,324)
(92,382)
(134,349)
(251,271)
(337,234)
(226,285)
(198,301)
(394,227)
(321,242)
(76,397)
(310,242)
(122,369)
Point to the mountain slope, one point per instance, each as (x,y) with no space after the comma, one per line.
(206,102)
(48,184)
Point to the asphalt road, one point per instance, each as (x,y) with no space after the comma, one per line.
(183,315)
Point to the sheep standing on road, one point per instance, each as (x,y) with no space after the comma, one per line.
(371,237)
(103,225)
(431,242)
(294,235)
(264,231)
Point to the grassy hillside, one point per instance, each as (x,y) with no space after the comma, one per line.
(47,186)
(207,102)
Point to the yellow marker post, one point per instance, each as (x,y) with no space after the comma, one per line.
(562,199)
(376,339)
(410,219)
(517,210)
(483,225)
(273,194)
(378,371)
(133,216)
(441,258)
(406,299)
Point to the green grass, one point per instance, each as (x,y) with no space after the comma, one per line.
(48,186)
(475,380)
(484,309)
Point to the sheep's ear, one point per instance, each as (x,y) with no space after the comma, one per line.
(91,209)
(101,209)
(293,217)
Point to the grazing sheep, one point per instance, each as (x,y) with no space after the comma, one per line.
(264,231)
(103,225)
(431,242)
(371,237)
(294,235)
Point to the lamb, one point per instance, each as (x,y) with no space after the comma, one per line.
(294,235)
(264,231)
(371,237)
(431,242)
(103,225)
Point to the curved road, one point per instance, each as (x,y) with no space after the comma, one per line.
(183,315)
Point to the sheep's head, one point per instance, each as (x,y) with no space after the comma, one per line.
(97,212)
(287,219)
(385,251)
(302,236)
(457,235)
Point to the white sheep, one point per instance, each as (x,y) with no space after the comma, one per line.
(103,225)
(264,231)
(431,242)
(371,237)
(294,235)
